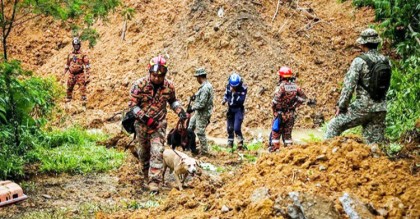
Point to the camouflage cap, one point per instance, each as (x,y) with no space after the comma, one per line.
(368,36)
(200,71)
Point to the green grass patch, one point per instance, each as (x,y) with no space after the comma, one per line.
(75,151)
(254,146)
(354,131)
(312,139)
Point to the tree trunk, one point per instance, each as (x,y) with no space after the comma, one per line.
(124,30)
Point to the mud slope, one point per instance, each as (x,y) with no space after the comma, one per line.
(192,33)
(319,173)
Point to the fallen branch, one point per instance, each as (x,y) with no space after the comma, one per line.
(412,31)
(277,10)
(256,3)
(307,14)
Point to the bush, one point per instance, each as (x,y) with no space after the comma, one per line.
(400,28)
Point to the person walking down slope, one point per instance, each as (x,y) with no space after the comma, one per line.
(235,96)
(149,98)
(288,96)
(370,75)
(77,63)
(203,107)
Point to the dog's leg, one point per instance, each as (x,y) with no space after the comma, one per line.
(163,173)
(185,177)
(178,181)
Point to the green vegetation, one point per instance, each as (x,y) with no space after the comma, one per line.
(392,149)
(75,151)
(26,103)
(400,28)
(312,139)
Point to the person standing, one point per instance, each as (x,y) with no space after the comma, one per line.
(77,64)
(203,107)
(370,75)
(287,98)
(149,98)
(235,96)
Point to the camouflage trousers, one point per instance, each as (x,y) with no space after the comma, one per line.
(199,123)
(80,80)
(373,124)
(150,151)
(286,127)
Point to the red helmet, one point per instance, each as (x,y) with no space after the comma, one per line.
(158,65)
(285,72)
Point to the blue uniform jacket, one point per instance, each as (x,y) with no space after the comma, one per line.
(236,100)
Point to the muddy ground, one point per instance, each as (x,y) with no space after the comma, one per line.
(310,178)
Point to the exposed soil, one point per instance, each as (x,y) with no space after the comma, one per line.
(321,173)
(318,45)
(192,34)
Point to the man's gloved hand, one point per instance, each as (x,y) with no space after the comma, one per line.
(192,97)
(182,115)
(150,122)
(190,110)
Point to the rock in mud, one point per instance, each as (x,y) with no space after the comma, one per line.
(224,209)
(259,194)
(354,208)
(303,205)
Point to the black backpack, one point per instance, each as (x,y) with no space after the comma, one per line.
(380,78)
(128,122)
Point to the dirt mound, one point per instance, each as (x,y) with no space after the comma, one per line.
(315,38)
(313,180)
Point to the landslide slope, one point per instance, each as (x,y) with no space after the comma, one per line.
(306,179)
(315,38)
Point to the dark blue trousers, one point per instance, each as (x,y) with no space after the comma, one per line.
(234,123)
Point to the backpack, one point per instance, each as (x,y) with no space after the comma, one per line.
(128,122)
(380,78)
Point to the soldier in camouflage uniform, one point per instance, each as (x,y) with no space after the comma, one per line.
(149,97)
(76,63)
(287,98)
(364,110)
(203,107)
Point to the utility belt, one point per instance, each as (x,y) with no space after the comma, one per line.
(76,73)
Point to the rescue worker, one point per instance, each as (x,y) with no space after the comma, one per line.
(235,96)
(287,97)
(78,65)
(369,107)
(149,97)
(203,107)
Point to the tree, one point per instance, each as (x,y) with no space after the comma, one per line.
(16,12)
(127,14)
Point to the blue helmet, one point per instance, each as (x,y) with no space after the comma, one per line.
(234,80)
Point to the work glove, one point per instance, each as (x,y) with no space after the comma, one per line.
(190,110)
(150,122)
(193,97)
(182,115)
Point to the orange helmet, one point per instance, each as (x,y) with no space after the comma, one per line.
(285,72)
(158,65)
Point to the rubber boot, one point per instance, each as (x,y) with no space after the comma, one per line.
(230,144)
(275,147)
(241,145)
